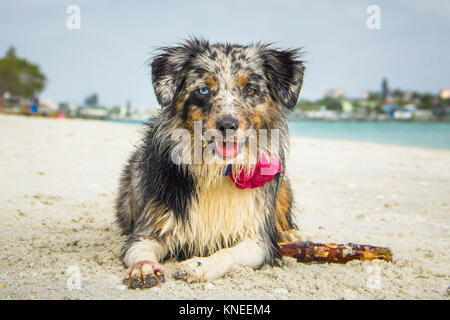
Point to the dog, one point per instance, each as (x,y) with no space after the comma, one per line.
(199,211)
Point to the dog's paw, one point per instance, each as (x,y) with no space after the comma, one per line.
(195,270)
(144,274)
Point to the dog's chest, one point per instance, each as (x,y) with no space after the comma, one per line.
(221,215)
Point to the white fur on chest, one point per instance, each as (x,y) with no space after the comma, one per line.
(220,215)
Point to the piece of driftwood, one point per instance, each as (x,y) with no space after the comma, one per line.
(331,252)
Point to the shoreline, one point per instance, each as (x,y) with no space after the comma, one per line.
(430,146)
(57,211)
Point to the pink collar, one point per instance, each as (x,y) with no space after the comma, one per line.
(264,171)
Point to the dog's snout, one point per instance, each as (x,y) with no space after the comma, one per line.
(227,123)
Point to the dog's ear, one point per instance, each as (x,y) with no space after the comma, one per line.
(284,71)
(168,68)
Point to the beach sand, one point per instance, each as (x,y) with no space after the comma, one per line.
(58,182)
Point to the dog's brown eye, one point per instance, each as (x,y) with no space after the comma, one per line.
(250,91)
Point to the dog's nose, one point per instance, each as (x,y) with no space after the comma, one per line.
(227,123)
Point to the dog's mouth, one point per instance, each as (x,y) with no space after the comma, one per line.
(228,149)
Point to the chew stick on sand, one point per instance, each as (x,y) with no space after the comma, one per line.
(335,253)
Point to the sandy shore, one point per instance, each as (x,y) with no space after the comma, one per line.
(58,181)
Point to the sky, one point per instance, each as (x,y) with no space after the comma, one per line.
(109,53)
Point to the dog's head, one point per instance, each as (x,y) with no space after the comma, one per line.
(227,88)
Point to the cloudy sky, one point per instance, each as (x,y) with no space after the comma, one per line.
(108,54)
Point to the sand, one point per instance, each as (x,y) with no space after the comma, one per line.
(58,181)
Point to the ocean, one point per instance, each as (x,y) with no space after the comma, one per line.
(433,135)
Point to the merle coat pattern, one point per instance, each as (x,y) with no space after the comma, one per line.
(193,211)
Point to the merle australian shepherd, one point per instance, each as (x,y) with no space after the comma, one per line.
(197,210)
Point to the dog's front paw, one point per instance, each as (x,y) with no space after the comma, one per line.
(144,274)
(196,270)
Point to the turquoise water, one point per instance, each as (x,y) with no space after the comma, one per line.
(434,135)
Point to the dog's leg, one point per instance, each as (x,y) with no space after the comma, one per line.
(142,259)
(247,253)
(284,221)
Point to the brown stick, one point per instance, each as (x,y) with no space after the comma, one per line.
(335,253)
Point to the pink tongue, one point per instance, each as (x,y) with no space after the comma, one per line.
(228,149)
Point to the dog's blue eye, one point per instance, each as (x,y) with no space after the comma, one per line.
(203,91)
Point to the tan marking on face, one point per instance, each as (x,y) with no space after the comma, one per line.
(211,81)
(181,102)
(197,115)
(242,80)
(256,120)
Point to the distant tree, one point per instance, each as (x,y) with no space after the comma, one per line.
(305,105)
(416,95)
(11,53)
(373,96)
(426,101)
(331,103)
(114,110)
(91,100)
(20,77)
(398,94)
(384,89)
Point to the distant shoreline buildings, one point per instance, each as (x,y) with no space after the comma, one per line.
(386,105)
(19,105)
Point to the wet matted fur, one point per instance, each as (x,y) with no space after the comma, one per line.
(194,210)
